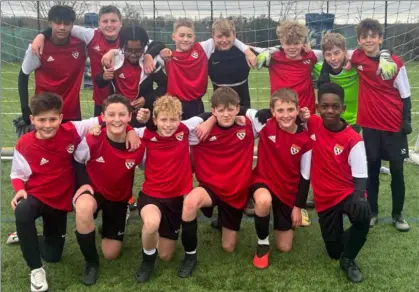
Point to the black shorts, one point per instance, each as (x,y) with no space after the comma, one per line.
(171,213)
(228,216)
(383,145)
(281,211)
(113,217)
(192,108)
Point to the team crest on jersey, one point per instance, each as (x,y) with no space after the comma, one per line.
(241,134)
(307,62)
(129,163)
(272,138)
(70,148)
(313,137)
(295,149)
(179,136)
(195,55)
(96,48)
(360,68)
(75,54)
(338,149)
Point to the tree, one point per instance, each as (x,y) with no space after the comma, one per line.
(80,7)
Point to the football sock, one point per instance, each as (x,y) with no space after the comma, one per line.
(191,252)
(87,243)
(263,241)
(373,184)
(149,251)
(262,226)
(397,187)
(189,235)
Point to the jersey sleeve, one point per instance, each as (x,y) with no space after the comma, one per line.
(83,126)
(358,160)
(402,83)
(240,45)
(305,164)
(319,55)
(192,124)
(30,62)
(20,172)
(82,154)
(84,34)
(312,123)
(140,131)
(256,124)
(208,46)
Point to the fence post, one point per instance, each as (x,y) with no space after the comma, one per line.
(38,15)
(385,20)
(327,7)
(269,23)
(154,20)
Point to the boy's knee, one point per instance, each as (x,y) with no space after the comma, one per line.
(165,256)
(111,254)
(284,248)
(23,212)
(334,249)
(229,246)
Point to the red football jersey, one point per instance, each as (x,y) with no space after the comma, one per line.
(294,74)
(282,157)
(380,104)
(111,171)
(44,167)
(337,158)
(167,170)
(59,70)
(223,162)
(127,80)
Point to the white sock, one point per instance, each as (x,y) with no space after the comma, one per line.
(191,252)
(263,241)
(149,251)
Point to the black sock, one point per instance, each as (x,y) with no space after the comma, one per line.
(190,235)
(397,187)
(262,226)
(149,258)
(87,243)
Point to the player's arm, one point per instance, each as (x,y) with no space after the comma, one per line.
(304,184)
(403,86)
(194,122)
(20,174)
(81,157)
(159,77)
(104,78)
(153,50)
(258,118)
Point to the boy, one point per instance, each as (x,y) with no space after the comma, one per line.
(42,177)
(59,69)
(105,172)
(384,113)
(229,148)
(339,185)
(281,177)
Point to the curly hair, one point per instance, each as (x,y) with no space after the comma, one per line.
(291,32)
(331,40)
(167,104)
(367,25)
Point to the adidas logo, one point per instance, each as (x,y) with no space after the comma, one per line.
(122,76)
(43,161)
(272,138)
(100,160)
(359,68)
(50,59)
(313,137)
(213,138)
(96,48)
(154,139)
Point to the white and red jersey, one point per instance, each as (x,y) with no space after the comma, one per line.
(282,158)
(223,162)
(111,171)
(380,104)
(44,167)
(337,158)
(167,168)
(59,70)
(127,79)
(187,72)
(295,74)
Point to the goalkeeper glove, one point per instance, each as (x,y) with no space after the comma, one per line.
(264,58)
(387,67)
(22,127)
(263,115)
(359,208)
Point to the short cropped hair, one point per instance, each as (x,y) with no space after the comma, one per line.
(331,88)
(291,32)
(285,95)
(133,33)
(109,9)
(331,40)
(183,22)
(225,96)
(225,26)
(167,104)
(45,102)
(367,25)
(61,14)
(116,98)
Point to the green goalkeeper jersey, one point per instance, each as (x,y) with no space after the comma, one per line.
(349,82)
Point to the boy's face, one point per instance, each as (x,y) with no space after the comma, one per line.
(225,115)
(370,43)
(184,38)
(116,116)
(285,113)
(330,108)
(46,124)
(133,51)
(61,30)
(166,123)
(110,25)
(223,42)
(292,50)
(335,57)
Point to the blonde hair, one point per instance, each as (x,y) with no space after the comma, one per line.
(167,104)
(225,26)
(183,22)
(284,95)
(291,32)
(331,40)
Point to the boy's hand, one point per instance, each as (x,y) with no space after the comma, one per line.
(264,58)
(240,120)
(20,195)
(347,65)
(307,48)
(406,128)
(203,130)
(95,130)
(84,189)
(143,115)
(132,141)
(108,59)
(296,217)
(138,103)
(250,58)
(149,65)
(108,74)
(166,54)
(263,115)
(386,66)
(304,114)
(359,208)
(38,45)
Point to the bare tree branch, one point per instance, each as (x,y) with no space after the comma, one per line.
(80,7)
